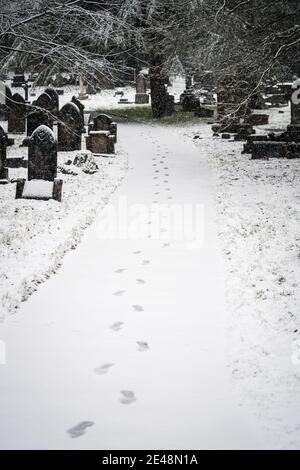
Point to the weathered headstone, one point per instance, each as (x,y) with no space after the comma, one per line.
(81,107)
(189,101)
(293,129)
(170,105)
(3,145)
(69,128)
(42,155)
(100,142)
(39,114)
(54,101)
(141,96)
(102,122)
(17,115)
(266,150)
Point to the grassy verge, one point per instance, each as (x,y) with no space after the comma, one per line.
(144,114)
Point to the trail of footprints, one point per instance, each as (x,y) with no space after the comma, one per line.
(127,397)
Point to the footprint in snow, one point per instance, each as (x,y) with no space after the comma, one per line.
(145,262)
(120,271)
(141,281)
(138,308)
(117,326)
(80,429)
(142,346)
(119,293)
(104,369)
(166,245)
(137,252)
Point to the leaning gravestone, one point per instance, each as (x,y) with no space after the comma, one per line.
(69,128)
(17,115)
(3,145)
(54,105)
(141,96)
(42,155)
(39,114)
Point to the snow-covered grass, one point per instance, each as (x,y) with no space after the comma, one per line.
(35,235)
(143,114)
(258,205)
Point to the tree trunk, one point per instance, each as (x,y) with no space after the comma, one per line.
(157,84)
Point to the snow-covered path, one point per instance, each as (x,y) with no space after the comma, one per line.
(142,317)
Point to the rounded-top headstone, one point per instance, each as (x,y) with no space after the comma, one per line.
(42,155)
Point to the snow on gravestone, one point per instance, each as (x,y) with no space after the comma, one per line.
(102,122)
(39,114)
(100,142)
(3,145)
(42,155)
(42,168)
(17,115)
(69,128)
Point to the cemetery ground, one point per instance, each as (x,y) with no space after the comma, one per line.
(202,345)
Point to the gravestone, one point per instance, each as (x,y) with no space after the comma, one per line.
(3,145)
(42,155)
(170,105)
(190,102)
(141,96)
(293,129)
(39,114)
(266,150)
(69,128)
(54,109)
(100,142)
(102,122)
(81,107)
(17,115)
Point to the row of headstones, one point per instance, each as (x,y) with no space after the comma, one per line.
(281,145)
(45,111)
(42,154)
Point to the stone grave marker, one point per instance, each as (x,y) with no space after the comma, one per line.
(42,155)
(42,168)
(81,108)
(17,115)
(39,114)
(54,109)
(100,142)
(69,128)
(102,122)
